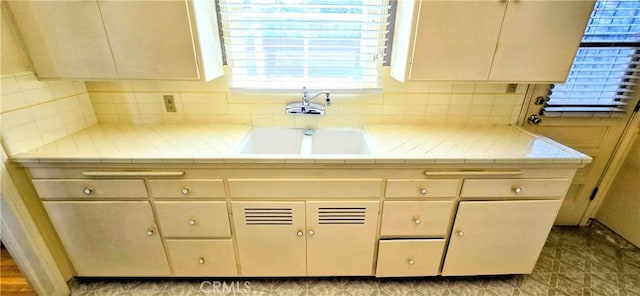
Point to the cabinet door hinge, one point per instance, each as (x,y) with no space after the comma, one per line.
(593,194)
(637,107)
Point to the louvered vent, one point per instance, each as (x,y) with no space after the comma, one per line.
(268,216)
(341,215)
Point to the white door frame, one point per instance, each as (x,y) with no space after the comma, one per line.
(23,240)
(619,155)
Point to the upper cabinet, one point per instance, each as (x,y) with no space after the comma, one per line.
(496,40)
(65,39)
(120,39)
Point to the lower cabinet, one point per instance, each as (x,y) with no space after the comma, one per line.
(499,237)
(202,257)
(105,238)
(477,223)
(409,257)
(306,238)
(270,238)
(341,237)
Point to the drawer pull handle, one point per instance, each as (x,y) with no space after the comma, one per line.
(417,220)
(472,173)
(460,233)
(185,191)
(87,191)
(150,232)
(423,191)
(410,261)
(311,233)
(132,174)
(200,260)
(517,190)
(300,233)
(192,221)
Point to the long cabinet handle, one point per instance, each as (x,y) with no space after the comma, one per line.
(473,173)
(133,174)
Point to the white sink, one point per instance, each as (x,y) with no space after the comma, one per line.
(272,141)
(340,141)
(294,141)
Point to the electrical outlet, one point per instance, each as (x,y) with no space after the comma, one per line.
(169,103)
(511,88)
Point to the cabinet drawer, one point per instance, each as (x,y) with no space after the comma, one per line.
(514,188)
(416,218)
(302,188)
(202,257)
(414,257)
(187,188)
(89,188)
(422,188)
(193,219)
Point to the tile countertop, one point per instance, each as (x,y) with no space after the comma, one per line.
(200,143)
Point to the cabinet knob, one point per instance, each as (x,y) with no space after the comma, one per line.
(311,233)
(150,232)
(192,221)
(410,261)
(423,191)
(300,233)
(185,191)
(460,233)
(200,260)
(417,220)
(517,190)
(87,191)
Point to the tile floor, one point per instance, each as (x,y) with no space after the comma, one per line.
(575,261)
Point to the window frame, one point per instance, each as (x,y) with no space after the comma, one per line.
(372,85)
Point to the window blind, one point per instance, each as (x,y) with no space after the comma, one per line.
(288,44)
(605,70)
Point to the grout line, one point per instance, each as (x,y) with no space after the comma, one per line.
(43,103)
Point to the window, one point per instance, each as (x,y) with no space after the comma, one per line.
(288,44)
(605,69)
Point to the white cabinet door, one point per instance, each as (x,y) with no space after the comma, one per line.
(456,40)
(271,238)
(492,40)
(105,238)
(65,39)
(150,39)
(499,237)
(341,237)
(539,40)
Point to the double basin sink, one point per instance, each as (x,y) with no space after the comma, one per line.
(300,141)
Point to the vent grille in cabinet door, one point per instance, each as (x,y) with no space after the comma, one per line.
(342,215)
(268,216)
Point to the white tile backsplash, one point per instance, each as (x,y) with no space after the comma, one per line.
(213,102)
(37,112)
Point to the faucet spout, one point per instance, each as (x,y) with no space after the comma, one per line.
(306,107)
(306,99)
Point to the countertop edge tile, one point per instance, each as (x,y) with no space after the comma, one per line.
(393,144)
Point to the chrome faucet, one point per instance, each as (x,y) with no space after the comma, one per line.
(306,107)
(306,99)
